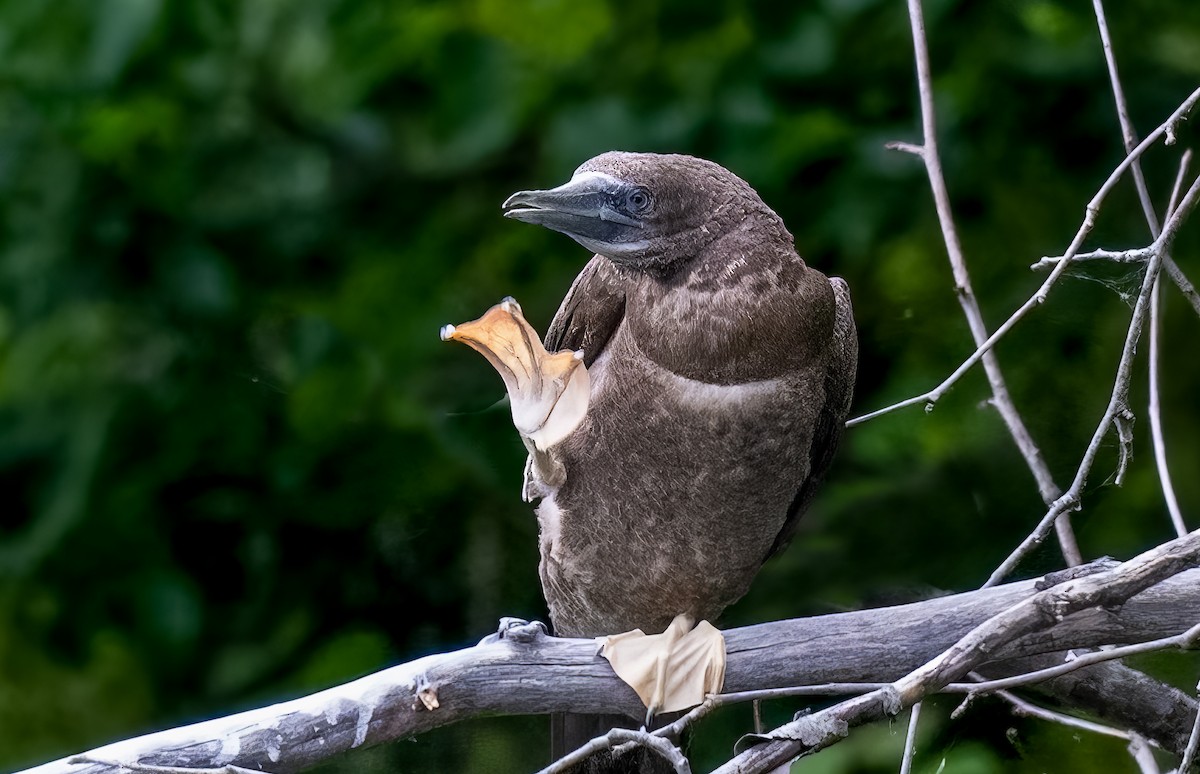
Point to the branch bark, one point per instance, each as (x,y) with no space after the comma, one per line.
(522,671)
(1033,617)
(1156,710)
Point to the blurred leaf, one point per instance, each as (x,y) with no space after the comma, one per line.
(238,462)
(347,653)
(578,25)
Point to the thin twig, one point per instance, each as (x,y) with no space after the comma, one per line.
(1185,640)
(1154,409)
(1028,709)
(818,730)
(1189,752)
(1129,136)
(1093,207)
(1001,399)
(622,736)
(1117,401)
(1156,430)
(1139,255)
(675,730)
(1128,133)
(1139,747)
(1143,756)
(822,689)
(1184,284)
(910,739)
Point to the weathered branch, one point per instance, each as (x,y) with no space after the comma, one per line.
(1035,616)
(525,672)
(1185,641)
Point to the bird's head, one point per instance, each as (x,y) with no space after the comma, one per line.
(644,210)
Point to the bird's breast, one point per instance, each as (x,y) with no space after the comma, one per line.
(739,332)
(666,474)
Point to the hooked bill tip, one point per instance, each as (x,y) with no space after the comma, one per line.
(577,354)
(447,332)
(510,305)
(515,199)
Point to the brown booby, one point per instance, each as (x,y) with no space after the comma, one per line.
(701,376)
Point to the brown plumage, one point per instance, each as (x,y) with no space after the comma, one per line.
(722,368)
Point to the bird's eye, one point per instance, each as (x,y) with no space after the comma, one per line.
(638,199)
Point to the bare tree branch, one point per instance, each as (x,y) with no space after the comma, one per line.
(910,739)
(1155,410)
(1117,402)
(1001,399)
(1189,752)
(1036,614)
(618,737)
(1029,709)
(1142,755)
(1129,135)
(1184,641)
(522,671)
(1166,129)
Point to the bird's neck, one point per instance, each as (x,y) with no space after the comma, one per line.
(708,242)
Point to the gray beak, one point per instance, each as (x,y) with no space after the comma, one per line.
(589,209)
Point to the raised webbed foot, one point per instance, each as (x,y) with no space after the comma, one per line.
(548,392)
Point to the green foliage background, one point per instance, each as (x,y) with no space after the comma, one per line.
(238,465)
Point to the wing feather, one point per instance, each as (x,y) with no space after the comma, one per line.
(831,421)
(587,318)
(591,312)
